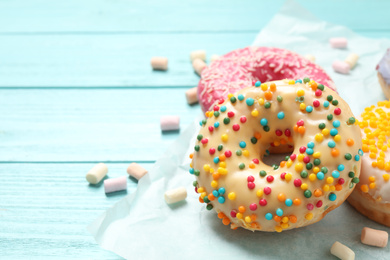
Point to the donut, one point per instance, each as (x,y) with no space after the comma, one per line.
(383,69)
(238,69)
(314,179)
(372,194)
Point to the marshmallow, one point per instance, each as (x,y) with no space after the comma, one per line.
(169,123)
(338,43)
(373,237)
(310,58)
(115,184)
(97,173)
(341,67)
(341,251)
(135,170)
(192,95)
(176,195)
(352,60)
(198,66)
(159,63)
(199,54)
(214,57)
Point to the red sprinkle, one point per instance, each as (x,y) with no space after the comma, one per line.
(233,213)
(263,202)
(283,175)
(300,122)
(196,189)
(211,128)
(341,181)
(230,114)
(205,141)
(212,150)
(267,190)
(216,108)
(318,92)
(297,183)
(228,153)
(316,103)
(221,100)
(310,206)
(302,149)
(319,204)
(236,127)
(287,132)
(243,119)
(278,132)
(293,157)
(253,206)
(270,178)
(306,159)
(250,178)
(337,111)
(251,185)
(256,161)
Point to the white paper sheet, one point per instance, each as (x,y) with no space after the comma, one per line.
(143,226)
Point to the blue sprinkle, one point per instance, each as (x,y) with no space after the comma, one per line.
(310,144)
(216,124)
(242,144)
(200,123)
(320,175)
(289,202)
(309,109)
(309,151)
(221,190)
(279,212)
(268,216)
(192,170)
(263,122)
(357,157)
(257,84)
(298,81)
(334,132)
(223,108)
(336,123)
(240,97)
(332,197)
(331,144)
(341,167)
(215,193)
(335,174)
(326,103)
(250,101)
(281,115)
(216,160)
(360,152)
(221,200)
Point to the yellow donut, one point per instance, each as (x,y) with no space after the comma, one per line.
(307,119)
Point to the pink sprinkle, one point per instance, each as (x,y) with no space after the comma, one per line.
(205,141)
(228,153)
(270,178)
(212,150)
(267,190)
(302,149)
(319,204)
(220,101)
(243,119)
(216,108)
(211,128)
(283,175)
(337,111)
(256,161)
(253,206)
(297,183)
(278,132)
(306,159)
(316,103)
(250,178)
(341,181)
(263,202)
(318,92)
(236,127)
(287,132)
(230,114)
(310,206)
(300,122)
(233,213)
(293,157)
(251,185)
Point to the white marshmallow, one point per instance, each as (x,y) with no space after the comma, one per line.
(137,171)
(198,54)
(97,173)
(192,95)
(115,184)
(338,43)
(341,251)
(198,66)
(341,67)
(159,63)
(176,195)
(310,58)
(214,57)
(352,60)
(169,123)
(373,237)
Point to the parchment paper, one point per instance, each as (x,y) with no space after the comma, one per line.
(143,226)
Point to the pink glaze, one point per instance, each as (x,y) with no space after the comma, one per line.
(238,69)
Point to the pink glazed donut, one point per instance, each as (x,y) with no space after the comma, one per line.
(241,68)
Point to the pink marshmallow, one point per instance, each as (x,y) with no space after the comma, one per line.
(169,123)
(198,66)
(192,95)
(159,63)
(341,67)
(135,170)
(374,237)
(115,184)
(338,43)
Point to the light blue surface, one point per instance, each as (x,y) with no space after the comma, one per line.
(76,88)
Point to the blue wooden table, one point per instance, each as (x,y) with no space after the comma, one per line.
(76,88)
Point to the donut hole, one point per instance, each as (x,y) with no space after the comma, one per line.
(277,155)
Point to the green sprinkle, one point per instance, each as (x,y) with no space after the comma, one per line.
(304,174)
(320,87)
(206,199)
(286,158)
(233,99)
(351,121)
(241,166)
(324,170)
(306,80)
(266,128)
(275,166)
(329,98)
(309,166)
(321,126)
(238,152)
(199,137)
(195,183)
(279,98)
(335,102)
(209,207)
(330,117)
(307,193)
(196,172)
(348,156)
(351,185)
(220,147)
(351,174)
(254,140)
(197,147)
(267,104)
(263,173)
(226,120)
(216,113)
(355,180)
(317,162)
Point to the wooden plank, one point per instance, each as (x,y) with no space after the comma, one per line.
(109,60)
(45,208)
(89,125)
(176,16)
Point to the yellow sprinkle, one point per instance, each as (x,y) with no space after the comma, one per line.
(206,167)
(302,106)
(264,87)
(278,229)
(298,167)
(259,193)
(288,177)
(245,153)
(372,185)
(222,171)
(200,189)
(289,163)
(386,177)
(312,177)
(291,82)
(371,179)
(285,225)
(329,180)
(337,138)
(211,113)
(316,169)
(247,219)
(211,170)
(230,95)
(309,216)
(300,93)
(214,184)
(239,215)
(332,188)
(300,157)
(203,194)
(232,196)
(319,137)
(224,137)
(255,113)
(222,164)
(317,155)
(261,101)
(191,165)
(325,132)
(325,187)
(304,186)
(364,188)
(285,219)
